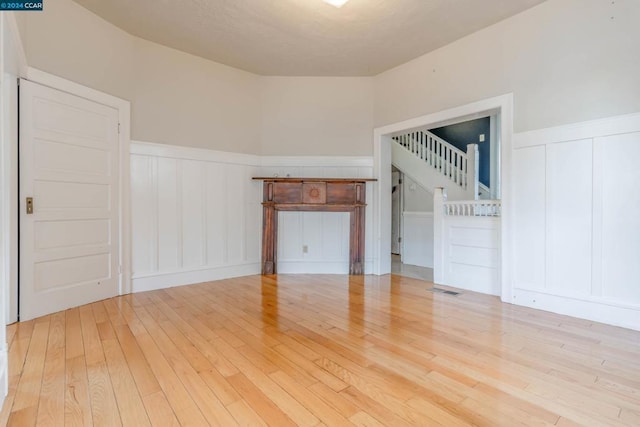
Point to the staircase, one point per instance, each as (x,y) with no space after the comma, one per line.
(434,163)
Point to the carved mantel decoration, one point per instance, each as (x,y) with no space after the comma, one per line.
(316,195)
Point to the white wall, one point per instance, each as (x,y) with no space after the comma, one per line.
(176,98)
(416,198)
(181,99)
(417,238)
(577,227)
(564,60)
(417,228)
(67,40)
(317,116)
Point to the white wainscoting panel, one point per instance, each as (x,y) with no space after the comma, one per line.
(576,217)
(618,202)
(417,239)
(325,234)
(471,246)
(569,216)
(196,215)
(529,225)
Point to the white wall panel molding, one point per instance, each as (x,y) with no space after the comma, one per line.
(590,129)
(191,153)
(196,215)
(317,161)
(470,247)
(576,223)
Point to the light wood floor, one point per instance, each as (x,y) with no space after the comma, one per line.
(318,350)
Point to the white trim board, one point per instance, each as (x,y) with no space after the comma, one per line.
(12,24)
(317,161)
(14,65)
(583,308)
(192,153)
(169,279)
(575,131)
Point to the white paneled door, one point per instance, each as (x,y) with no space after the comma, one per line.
(69,201)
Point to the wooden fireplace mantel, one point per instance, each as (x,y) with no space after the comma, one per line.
(316,195)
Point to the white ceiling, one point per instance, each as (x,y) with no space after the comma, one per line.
(305,37)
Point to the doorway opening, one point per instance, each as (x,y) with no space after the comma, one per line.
(498,108)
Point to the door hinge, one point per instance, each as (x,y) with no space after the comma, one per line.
(119,269)
(118,128)
(399,239)
(400,181)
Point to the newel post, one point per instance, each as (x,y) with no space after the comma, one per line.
(473,170)
(439,197)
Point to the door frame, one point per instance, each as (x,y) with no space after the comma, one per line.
(124,139)
(401,210)
(502,105)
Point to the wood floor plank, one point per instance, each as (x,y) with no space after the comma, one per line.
(51,407)
(334,399)
(29,388)
(202,395)
(294,410)
(146,381)
(362,419)
(314,404)
(322,351)
(130,406)
(244,414)
(77,403)
(159,410)
(104,409)
(259,402)
(185,409)
(73,334)
(25,417)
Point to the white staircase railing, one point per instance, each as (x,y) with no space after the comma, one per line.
(459,167)
(472,208)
